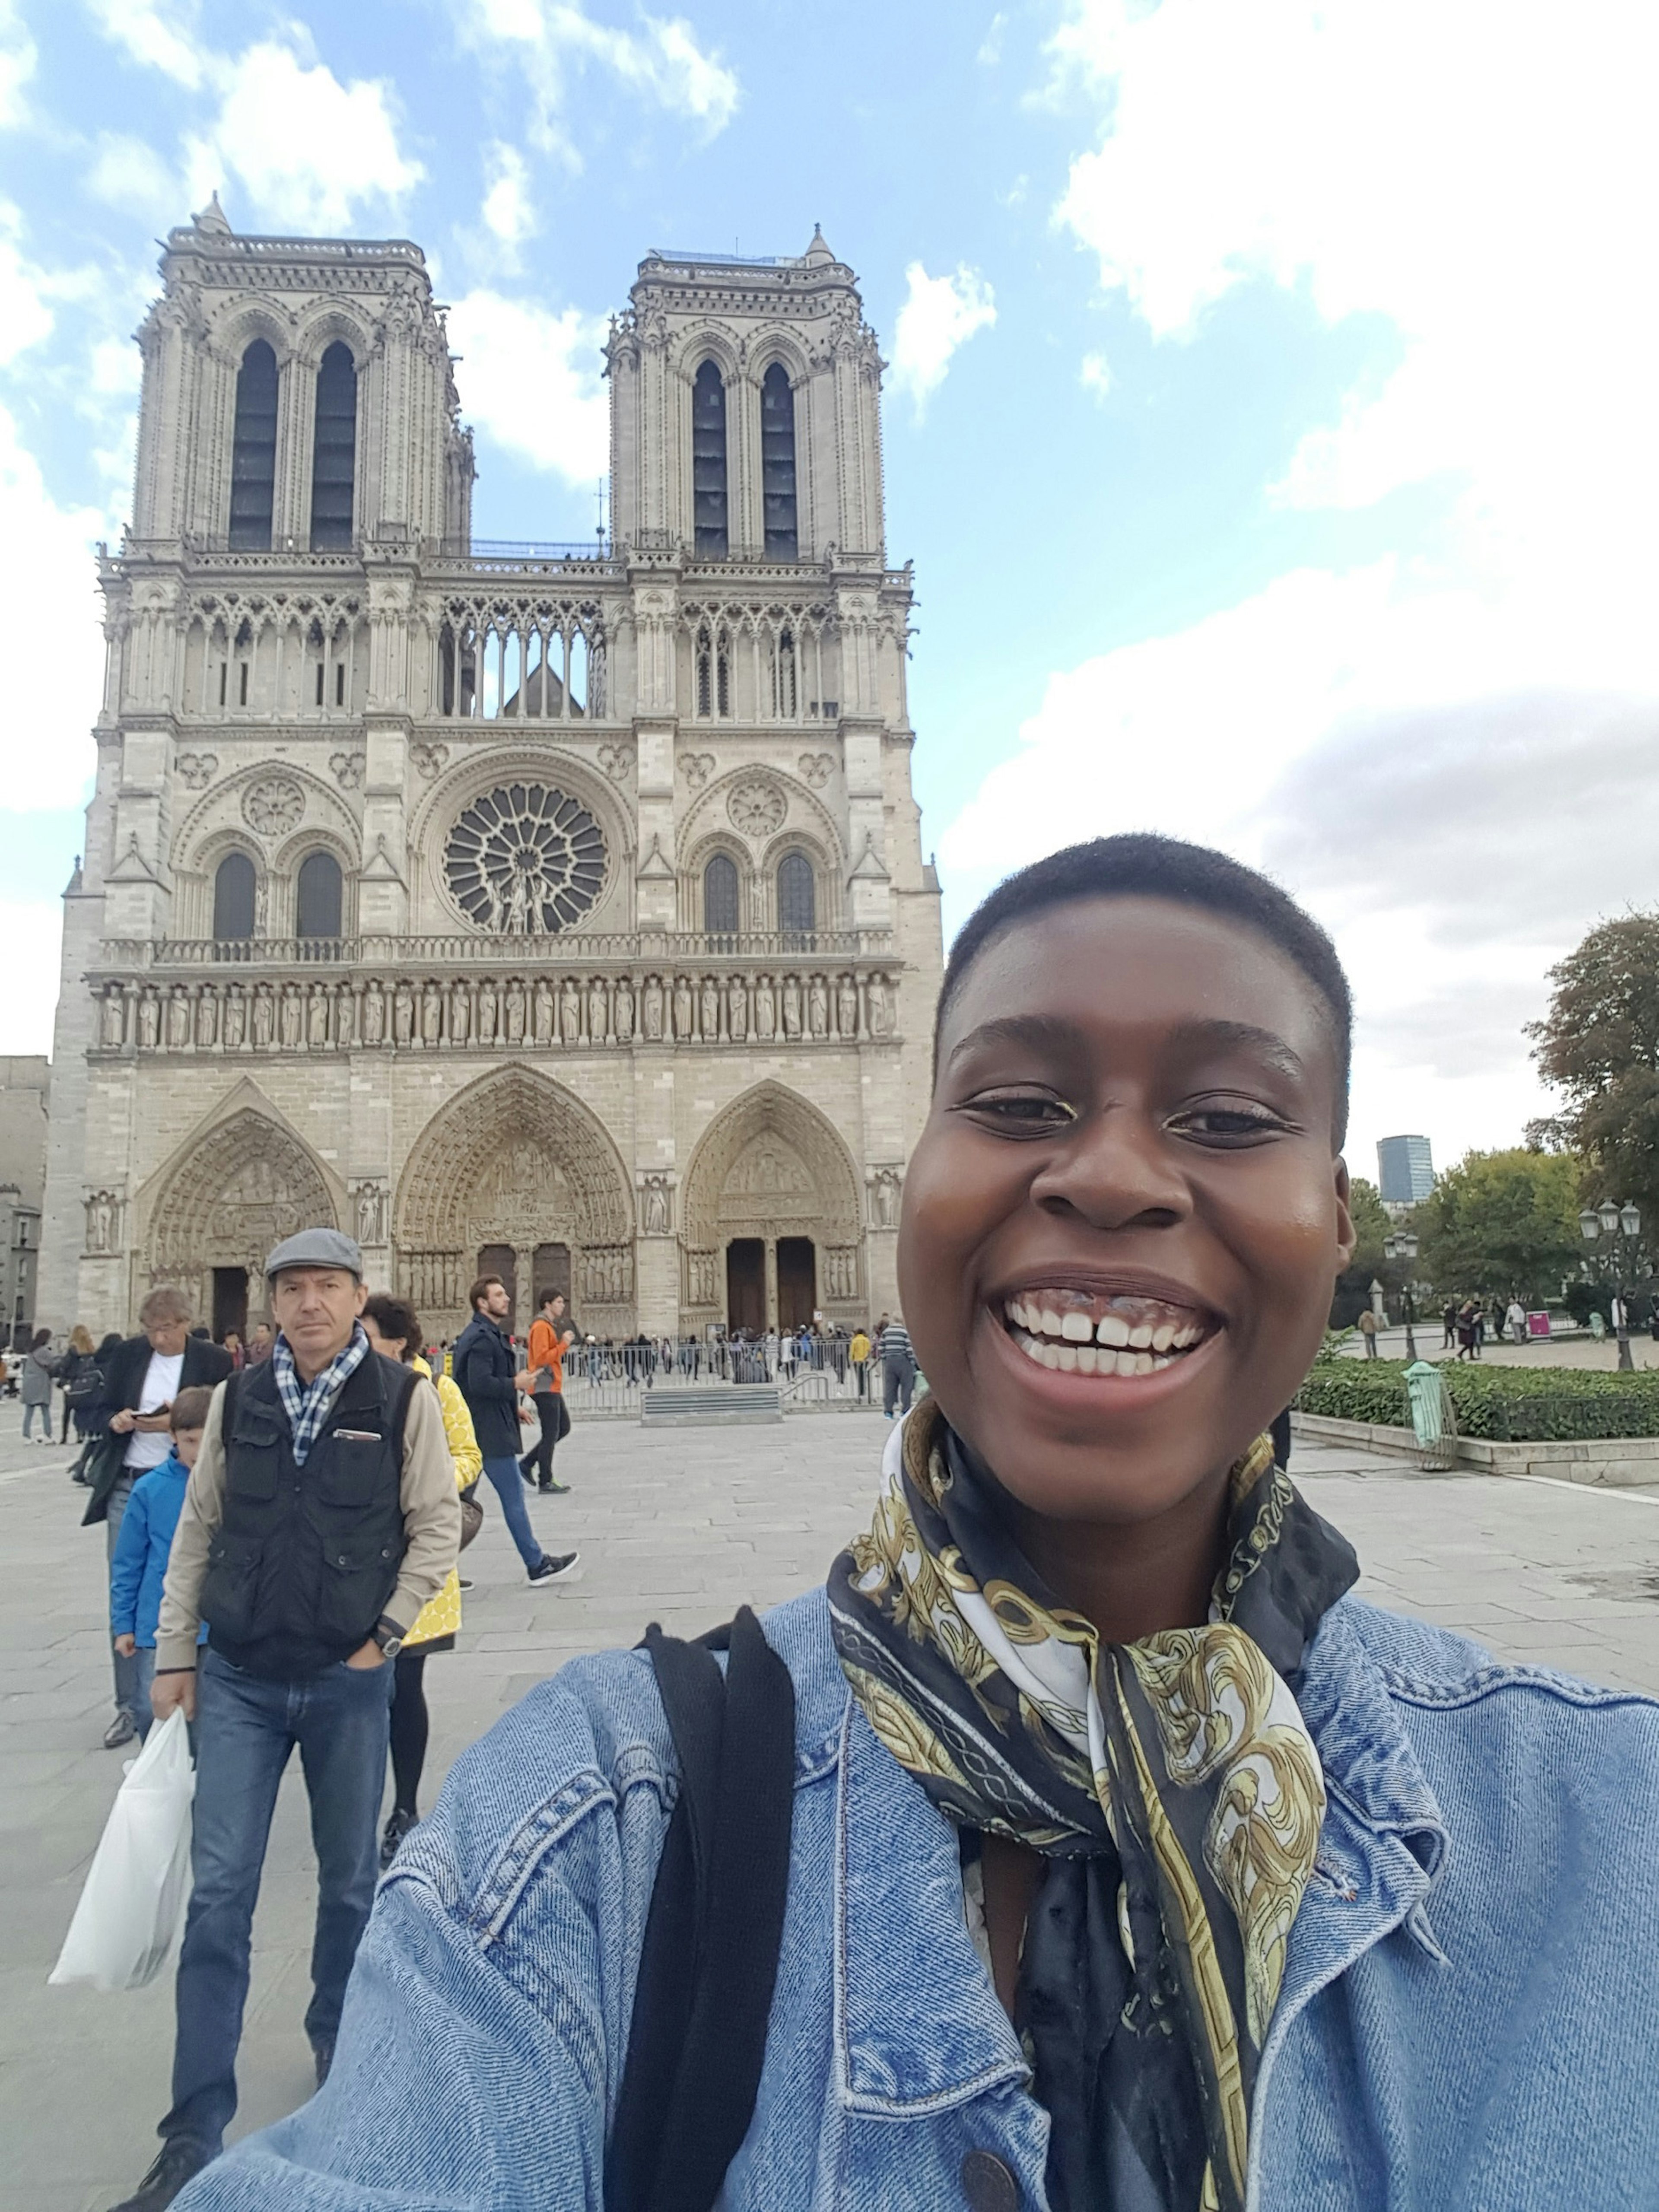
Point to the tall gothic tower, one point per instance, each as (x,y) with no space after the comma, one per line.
(553,909)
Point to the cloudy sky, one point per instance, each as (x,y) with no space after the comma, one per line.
(1271,410)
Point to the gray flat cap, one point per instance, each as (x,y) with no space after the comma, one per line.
(317,1247)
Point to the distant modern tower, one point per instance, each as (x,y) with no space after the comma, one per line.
(1405,1170)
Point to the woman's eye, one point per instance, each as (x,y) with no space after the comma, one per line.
(1228,1125)
(1023,1113)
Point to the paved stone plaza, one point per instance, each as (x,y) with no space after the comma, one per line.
(677,1526)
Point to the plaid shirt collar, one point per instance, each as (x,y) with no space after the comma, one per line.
(308,1404)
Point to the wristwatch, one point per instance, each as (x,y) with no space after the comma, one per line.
(390,1638)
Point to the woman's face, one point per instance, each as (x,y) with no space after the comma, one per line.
(1124,1218)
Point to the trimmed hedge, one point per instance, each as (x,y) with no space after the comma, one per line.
(1505,1405)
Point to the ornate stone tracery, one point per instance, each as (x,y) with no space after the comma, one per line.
(229,1197)
(771,1166)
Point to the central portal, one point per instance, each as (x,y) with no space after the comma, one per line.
(745,1286)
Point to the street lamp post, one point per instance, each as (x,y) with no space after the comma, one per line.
(1621,1224)
(1402,1245)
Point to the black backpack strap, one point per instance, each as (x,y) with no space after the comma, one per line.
(227,1409)
(698,2040)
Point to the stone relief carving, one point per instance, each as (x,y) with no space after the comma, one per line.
(885,1187)
(273,805)
(656,1206)
(103,1222)
(197,770)
(702,1278)
(817,769)
(617,761)
(697,768)
(347,770)
(369,1206)
(757,807)
(651,1011)
(839,1264)
(429,759)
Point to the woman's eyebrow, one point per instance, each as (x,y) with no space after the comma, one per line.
(1266,1043)
(1043,1031)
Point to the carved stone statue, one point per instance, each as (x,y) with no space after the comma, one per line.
(682,1007)
(885,1187)
(737,1010)
(402,1015)
(791,1006)
(178,1018)
(115,1019)
(374,1014)
(846,1007)
(515,1011)
(317,1026)
(570,1012)
(149,1018)
(624,1016)
(544,1010)
(817,1008)
(711,1009)
(293,1017)
(766,1011)
(651,1016)
(235,1017)
(345,1014)
(432,1014)
(655,1208)
(264,1015)
(207,1019)
(371,1214)
(881,1012)
(598,1025)
(461,1013)
(487,1001)
(100,1222)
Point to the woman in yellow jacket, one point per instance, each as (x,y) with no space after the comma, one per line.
(393,1327)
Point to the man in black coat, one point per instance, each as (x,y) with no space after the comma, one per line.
(486,1375)
(141,1381)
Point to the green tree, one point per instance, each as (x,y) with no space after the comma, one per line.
(1502,1223)
(1599,1046)
(1371,1225)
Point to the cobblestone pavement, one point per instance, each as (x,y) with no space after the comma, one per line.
(679,1526)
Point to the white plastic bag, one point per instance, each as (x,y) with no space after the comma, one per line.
(139,1878)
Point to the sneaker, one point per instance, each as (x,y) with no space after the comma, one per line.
(181,2160)
(527,1469)
(554,1563)
(323,2054)
(554,1490)
(396,1829)
(120,1731)
(463,1582)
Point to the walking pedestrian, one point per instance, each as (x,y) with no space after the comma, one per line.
(139,1568)
(1125,1858)
(318,1519)
(1368,1330)
(80,1382)
(1516,1317)
(550,1333)
(1448,1325)
(392,1326)
(486,1374)
(1468,1343)
(898,1366)
(40,1367)
(142,1378)
(858,1352)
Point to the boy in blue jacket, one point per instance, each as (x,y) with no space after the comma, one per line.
(140,1565)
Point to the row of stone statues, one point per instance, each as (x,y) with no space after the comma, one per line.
(436,1282)
(483,1013)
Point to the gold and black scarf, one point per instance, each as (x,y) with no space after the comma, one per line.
(1170,1784)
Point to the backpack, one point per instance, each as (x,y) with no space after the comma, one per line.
(696,2040)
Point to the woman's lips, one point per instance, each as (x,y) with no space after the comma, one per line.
(1121,1333)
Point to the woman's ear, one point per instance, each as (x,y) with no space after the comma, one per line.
(1346,1238)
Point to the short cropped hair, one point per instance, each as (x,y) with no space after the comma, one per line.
(165,1303)
(1142,865)
(395,1320)
(547,1296)
(190,1408)
(484,1283)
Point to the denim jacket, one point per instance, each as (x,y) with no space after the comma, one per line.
(1468,2023)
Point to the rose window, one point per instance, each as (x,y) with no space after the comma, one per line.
(526,861)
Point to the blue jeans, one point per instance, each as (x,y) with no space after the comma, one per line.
(246,1727)
(143,1663)
(127,1698)
(898,1380)
(509,1488)
(29,1411)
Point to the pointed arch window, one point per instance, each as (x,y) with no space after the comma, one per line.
(334,451)
(720,896)
(778,463)
(253,449)
(798,904)
(233,898)
(319,896)
(708,463)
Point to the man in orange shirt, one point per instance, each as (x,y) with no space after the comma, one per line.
(550,1333)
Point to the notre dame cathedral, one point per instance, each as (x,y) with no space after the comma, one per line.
(554,910)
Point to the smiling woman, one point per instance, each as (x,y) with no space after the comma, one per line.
(1135,1866)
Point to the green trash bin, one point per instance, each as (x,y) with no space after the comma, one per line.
(1433,1422)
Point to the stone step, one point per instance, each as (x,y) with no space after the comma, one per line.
(717,1403)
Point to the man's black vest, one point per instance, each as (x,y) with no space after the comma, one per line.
(306,1558)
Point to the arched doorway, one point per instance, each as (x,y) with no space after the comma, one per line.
(517,1168)
(771,1219)
(225,1200)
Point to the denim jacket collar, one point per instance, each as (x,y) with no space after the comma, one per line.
(918,2026)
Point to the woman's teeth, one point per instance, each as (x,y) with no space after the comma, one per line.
(1077,1334)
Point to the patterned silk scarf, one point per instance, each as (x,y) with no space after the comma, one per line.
(1170,1784)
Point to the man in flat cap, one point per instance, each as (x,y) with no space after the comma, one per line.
(320,1516)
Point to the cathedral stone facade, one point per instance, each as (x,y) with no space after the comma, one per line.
(558,911)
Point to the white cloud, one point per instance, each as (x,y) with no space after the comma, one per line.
(506,210)
(1453,750)
(17,60)
(939,314)
(531,379)
(1095,374)
(127,173)
(164,39)
(25,316)
(661,59)
(306,149)
(46,560)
